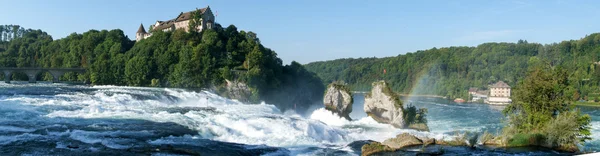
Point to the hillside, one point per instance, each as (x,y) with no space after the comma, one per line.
(452,71)
(166,59)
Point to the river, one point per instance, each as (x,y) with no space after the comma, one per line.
(62,119)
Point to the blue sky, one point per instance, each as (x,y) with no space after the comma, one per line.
(317,30)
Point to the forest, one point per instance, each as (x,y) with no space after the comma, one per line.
(451,71)
(198,60)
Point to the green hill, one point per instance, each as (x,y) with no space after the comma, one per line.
(452,71)
(167,59)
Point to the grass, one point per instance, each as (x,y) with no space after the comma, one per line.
(522,139)
(459,139)
(579,103)
(486,136)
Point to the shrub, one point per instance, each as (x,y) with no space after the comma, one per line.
(566,130)
(155,83)
(472,138)
(523,139)
(485,137)
(459,139)
(412,115)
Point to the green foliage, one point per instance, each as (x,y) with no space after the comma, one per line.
(412,115)
(195,20)
(523,139)
(576,96)
(137,71)
(155,83)
(460,139)
(485,137)
(540,111)
(168,59)
(537,98)
(451,71)
(568,129)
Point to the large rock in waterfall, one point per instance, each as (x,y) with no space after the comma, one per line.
(237,90)
(338,99)
(384,106)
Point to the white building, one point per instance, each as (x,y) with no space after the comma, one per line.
(499,94)
(477,94)
(180,22)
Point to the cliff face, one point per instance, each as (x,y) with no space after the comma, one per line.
(382,105)
(238,90)
(338,99)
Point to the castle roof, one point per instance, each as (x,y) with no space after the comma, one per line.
(183,16)
(473,89)
(500,84)
(165,24)
(141,29)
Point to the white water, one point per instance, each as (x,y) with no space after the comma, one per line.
(230,121)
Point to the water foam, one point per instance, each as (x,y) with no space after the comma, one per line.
(231,121)
(217,118)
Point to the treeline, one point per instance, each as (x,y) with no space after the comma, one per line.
(169,59)
(452,71)
(8,32)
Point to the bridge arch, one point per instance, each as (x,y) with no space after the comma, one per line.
(33,73)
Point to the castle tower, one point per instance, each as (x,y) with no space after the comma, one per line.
(139,35)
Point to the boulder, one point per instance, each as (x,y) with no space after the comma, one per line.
(238,90)
(402,140)
(427,140)
(383,105)
(338,99)
(419,127)
(373,148)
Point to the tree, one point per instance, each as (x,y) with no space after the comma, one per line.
(167,59)
(540,107)
(137,71)
(195,20)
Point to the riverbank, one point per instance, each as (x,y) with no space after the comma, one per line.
(591,104)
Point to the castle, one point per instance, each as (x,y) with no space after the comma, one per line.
(180,22)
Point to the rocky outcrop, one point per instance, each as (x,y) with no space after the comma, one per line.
(395,144)
(402,140)
(427,140)
(383,105)
(374,147)
(237,90)
(419,126)
(338,99)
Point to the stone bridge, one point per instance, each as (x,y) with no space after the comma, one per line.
(32,72)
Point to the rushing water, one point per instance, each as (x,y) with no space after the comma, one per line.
(50,119)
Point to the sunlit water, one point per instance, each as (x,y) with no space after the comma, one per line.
(48,119)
